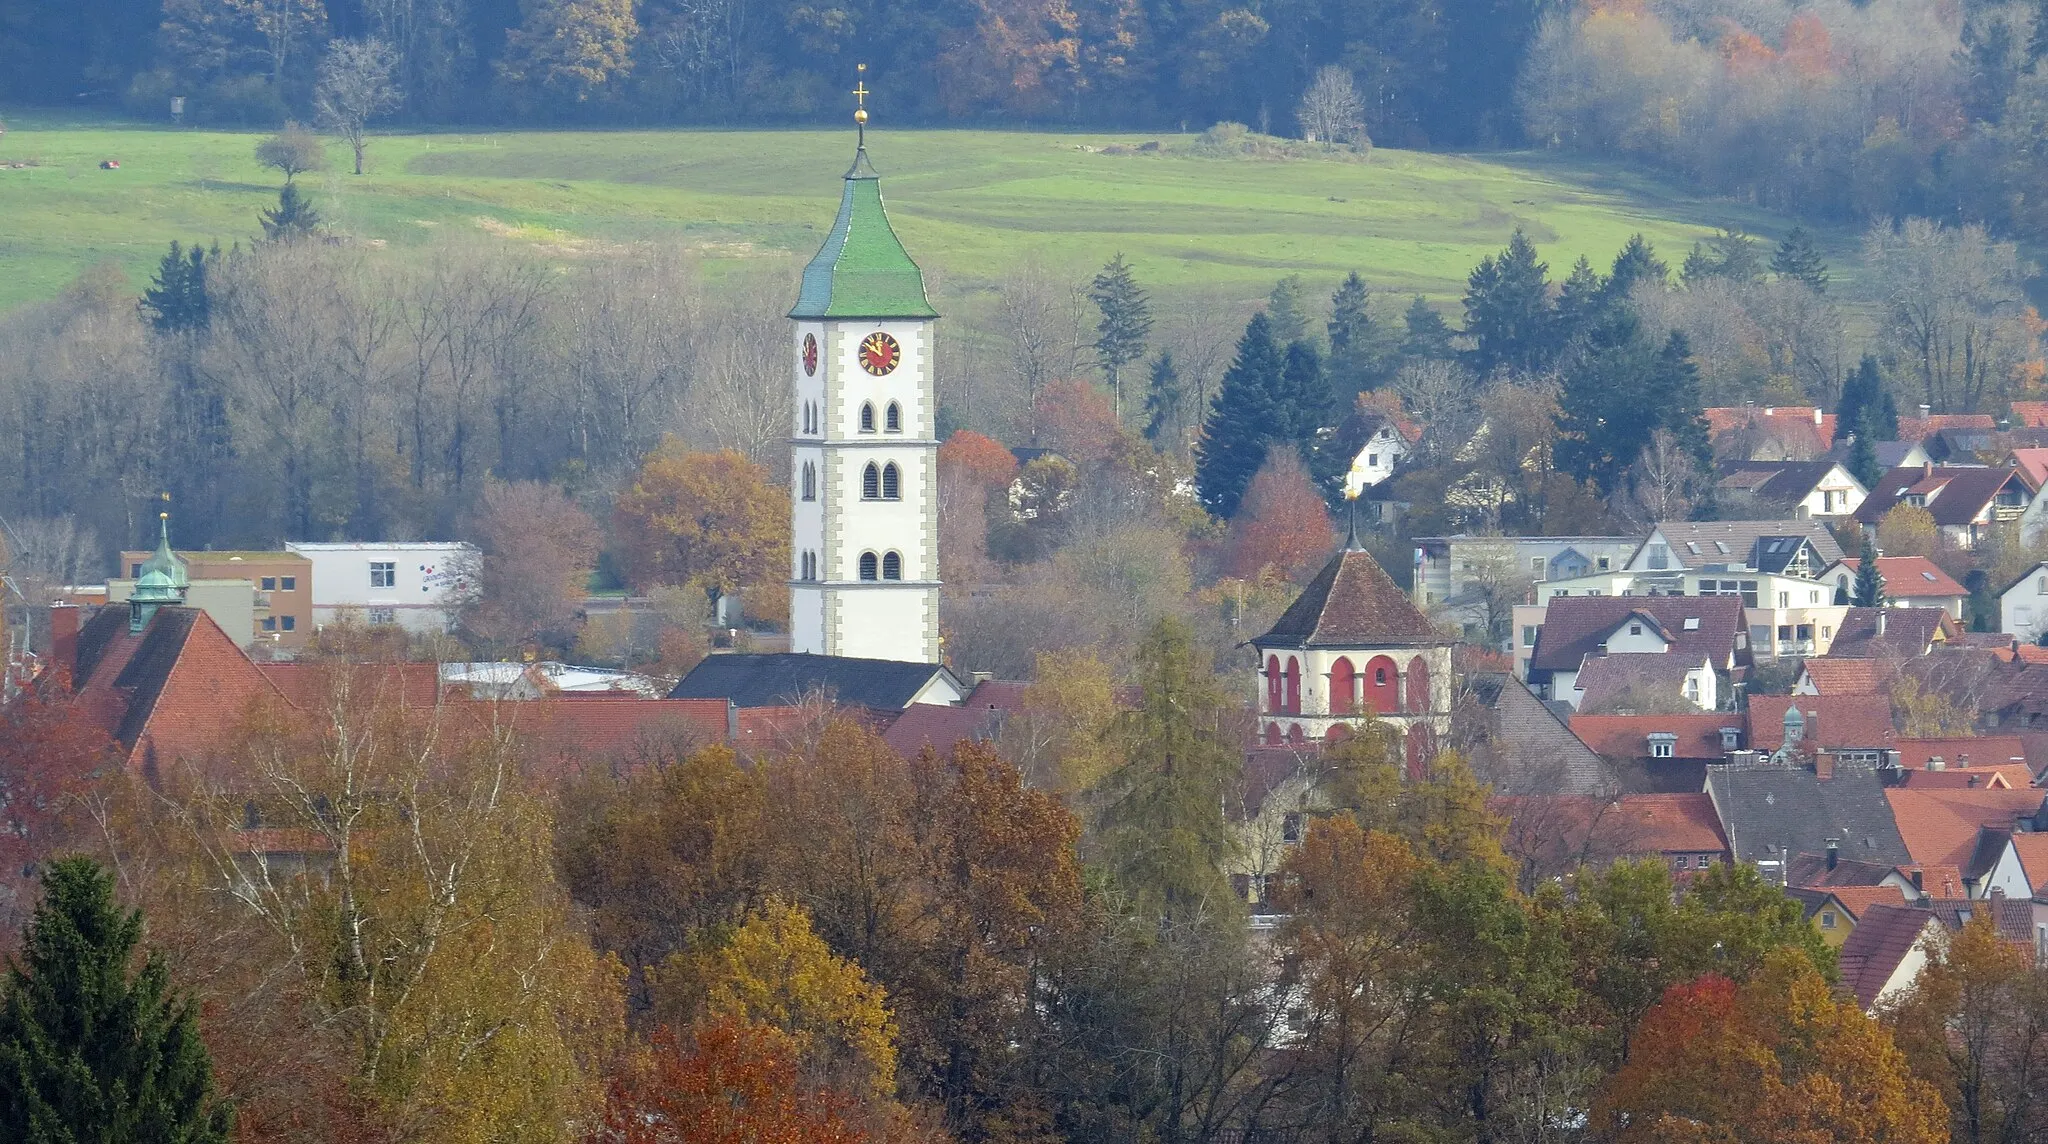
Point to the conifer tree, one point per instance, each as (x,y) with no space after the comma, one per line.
(1797,259)
(293,217)
(1863,463)
(1162,401)
(1162,820)
(1242,420)
(1428,335)
(1676,396)
(1126,323)
(1869,581)
(176,300)
(1304,398)
(1287,308)
(1580,301)
(1637,262)
(1360,346)
(1864,396)
(93,1048)
(1507,309)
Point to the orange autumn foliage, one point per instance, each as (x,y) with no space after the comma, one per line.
(1076,421)
(1282,526)
(984,459)
(1780,1060)
(737,1084)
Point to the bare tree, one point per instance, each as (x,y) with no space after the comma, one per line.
(1954,317)
(1663,481)
(1330,110)
(292,151)
(1440,395)
(1043,317)
(355,87)
(54,552)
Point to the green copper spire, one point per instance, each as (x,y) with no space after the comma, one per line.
(862,271)
(162,581)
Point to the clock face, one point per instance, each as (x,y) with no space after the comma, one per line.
(879,354)
(810,355)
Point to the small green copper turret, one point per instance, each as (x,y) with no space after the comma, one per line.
(862,271)
(162,581)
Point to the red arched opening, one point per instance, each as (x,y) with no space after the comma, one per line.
(1418,686)
(1382,686)
(1272,683)
(1294,736)
(1413,742)
(1343,687)
(1272,734)
(1337,734)
(1293,686)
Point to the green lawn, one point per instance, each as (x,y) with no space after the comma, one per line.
(967,203)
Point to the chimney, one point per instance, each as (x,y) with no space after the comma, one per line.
(1880,619)
(1926,467)
(64,638)
(1834,852)
(1935,763)
(1925,409)
(1816,416)
(1823,765)
(1962,760)
(1918,887)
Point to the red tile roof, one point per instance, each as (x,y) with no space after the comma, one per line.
(1352,602)
(1883,937)
(309,686)
(2031,414)
(1986,754)
(1627,736)
(1910,577)
(1941,827)
(1800,429)
(1840,721)
(1958,493)
(1667,823)
(1833,677)
(1857,899)
(924,725)
(180,687)
(2032,463)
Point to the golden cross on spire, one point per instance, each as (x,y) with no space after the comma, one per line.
(860,96)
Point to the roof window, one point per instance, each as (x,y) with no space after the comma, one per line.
(1692,623)
(1927,576)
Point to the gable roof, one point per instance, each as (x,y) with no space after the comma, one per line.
(1844,721)
(1797,428)
(1607,677)
(1352,602)
(2013,918)
(1780,485)
(1628,736)
(1856,900)
(1907,632)
(1529,748)
(1672,822)
(1987,755)
(1772,812)
(939,727)
(1811,870)
(786,679)
(2032,462)
(1697,627)
(1878,946)
(1695,543)
(178,687)
(1942,827)
(2033,851)
(1907,577)
(1832,676)
(1956,493)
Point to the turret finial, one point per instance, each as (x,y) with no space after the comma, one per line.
(860,110)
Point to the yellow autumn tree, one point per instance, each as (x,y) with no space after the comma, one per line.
(1907,530)
(714,519)
(570,47)
(1058,736)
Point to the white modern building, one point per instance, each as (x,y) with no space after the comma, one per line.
(416,586)
(2023,606)
(864,576)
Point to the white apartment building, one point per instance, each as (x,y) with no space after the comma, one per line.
(416,586)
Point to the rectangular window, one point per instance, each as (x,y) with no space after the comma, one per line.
(290,623)
(1660,556)
(270,583)
(1603,564)
(383,574)
(135,573)
(1290,828)
(1372,460)
(1784,599)
(1681,862)
(270,623)
(1536,565)
(382,615)
(1529,635)
(1827,919)
(288,583)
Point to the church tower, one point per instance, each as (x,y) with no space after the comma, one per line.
(864,575)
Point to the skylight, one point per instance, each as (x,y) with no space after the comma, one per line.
(1927,576)
(1720,548)
(1692,623)
(1692,547)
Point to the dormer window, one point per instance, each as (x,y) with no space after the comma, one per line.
(1731,738)
(1663,745)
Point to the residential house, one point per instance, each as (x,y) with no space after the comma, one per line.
(1963,763)
(1663,754)
(1966,501)
(1691,630)
(1788,490)
(1829,870)
(1779,547)
(1834,675)
(1885,953)
(1855,729)
(416,586)
(1971,830)
(1681,829)
(1772,813)
(1382,440)
(2032,462)
(2016,700)
(1833,911)
(2023,606)
(1892,634)
(1909,582)
(1352,645)
(1632,684)
(1770,433)
(1525,746)
(1450,567)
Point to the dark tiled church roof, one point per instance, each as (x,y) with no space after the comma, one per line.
(787,679)
(1352,602)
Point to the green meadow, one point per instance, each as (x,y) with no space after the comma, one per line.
(969,204)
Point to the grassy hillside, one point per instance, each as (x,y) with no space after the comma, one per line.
(968,203)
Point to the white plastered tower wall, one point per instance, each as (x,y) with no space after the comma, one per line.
(864,561)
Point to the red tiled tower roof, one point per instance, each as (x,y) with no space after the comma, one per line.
(1352,602)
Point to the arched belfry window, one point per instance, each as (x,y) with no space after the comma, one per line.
(892,566)
(871,482)
(867,565)
(892,418)
(867,416)
(810,481)
(892,482)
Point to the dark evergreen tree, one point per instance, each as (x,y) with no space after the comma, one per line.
(1305,406)
(1287,307)
(176,301)
(1637,262)
(1799,260)
(1729,254)
(1698,266)
(1675,391)
(1862,462)
(1162,402)
(1242,420)
(1580,301)
(1126,323)
(293,217)
(1427,335)
(92,1047)
(1869,581)
(1863,395)
(1622,390)
(1361,348)
(1507,309)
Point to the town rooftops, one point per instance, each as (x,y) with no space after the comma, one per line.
(1352,602)
(1872,956)
(1812,869)
(1696,627)
(1832,722)
(1955,495)
(1909,577)
(1891,633)
(788,679)
(2032,847)
(1697,543)
(1797,429)
(1607,679)
(1772,813)
(1780,485)
(1528,748)
(1698,736)
(1673,823)
(1832,676)
(1942,827)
